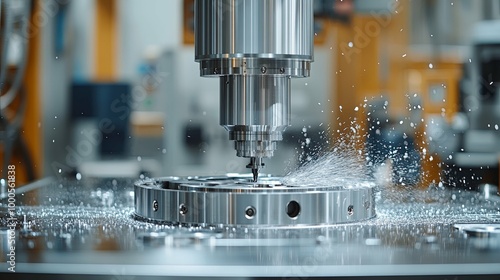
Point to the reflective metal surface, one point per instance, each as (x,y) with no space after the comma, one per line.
(255,47)
(85,227)
(235,200)
(480,230)
(262,29)
(255,110)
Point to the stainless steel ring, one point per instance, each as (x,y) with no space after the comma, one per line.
(245,133)
(233,200)
(255,66)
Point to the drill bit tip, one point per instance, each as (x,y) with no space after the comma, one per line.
(255,173)
(255,164)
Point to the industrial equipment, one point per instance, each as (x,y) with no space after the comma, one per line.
(84,227)
(469,143)
(246,226)
(255,47)
(234,200)
(13,97)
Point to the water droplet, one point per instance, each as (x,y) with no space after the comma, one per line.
(350,44)
(163,151)
(60,170)
(356,109)
(431,66)
(404,55)
(78,176)
(496,126)
(431,158)
(139,158)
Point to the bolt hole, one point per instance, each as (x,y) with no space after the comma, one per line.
(367,204)
(293,209)
(183,209)
(250,212)
(350,210)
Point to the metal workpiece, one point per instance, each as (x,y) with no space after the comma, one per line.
(237,201)
(71,227)
(480,230)
(481,236)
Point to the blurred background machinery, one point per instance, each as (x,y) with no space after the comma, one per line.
(115,70)
(13,95)
(469,142)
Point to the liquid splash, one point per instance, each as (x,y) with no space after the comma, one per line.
(342,165)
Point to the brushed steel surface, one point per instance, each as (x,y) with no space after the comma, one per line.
(226,200)
(255,110)
(265,99)
(255,47)
(262,28)
(85,227)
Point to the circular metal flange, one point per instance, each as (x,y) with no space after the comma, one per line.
(234,200)
(480,230)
